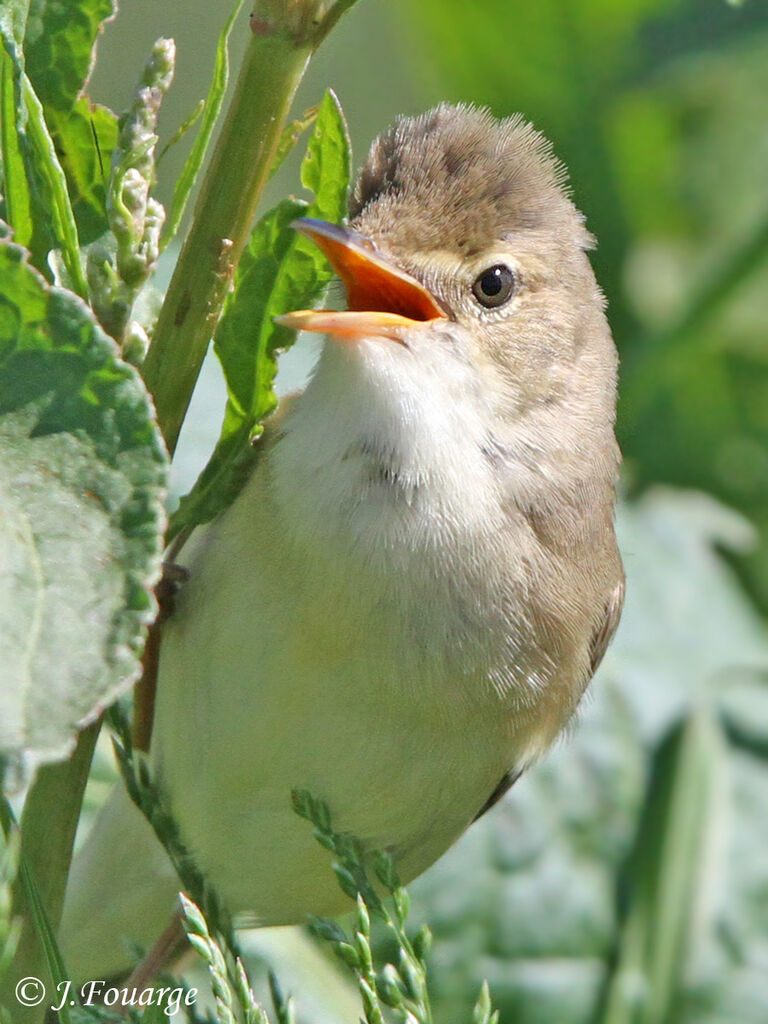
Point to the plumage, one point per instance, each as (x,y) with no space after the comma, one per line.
(404,605)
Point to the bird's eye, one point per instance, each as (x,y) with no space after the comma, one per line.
(494,286)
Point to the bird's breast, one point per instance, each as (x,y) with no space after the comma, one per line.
(285,667)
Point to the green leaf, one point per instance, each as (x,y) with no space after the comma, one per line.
(85,136)
(10,926)
(46,936)
(186,125)
(58,47)
(483,1012)
(82,475)
(284,1010)
(61,139)
(59,51)
(279,270)
(13,24)
(291,135)
(48,200)
(17,195)
(27,207)
(669,876)
(193,163)
(43,162)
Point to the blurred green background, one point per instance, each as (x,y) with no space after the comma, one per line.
(625,879)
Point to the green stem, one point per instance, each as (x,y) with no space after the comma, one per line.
(272,69)
(48,827)
(330,21)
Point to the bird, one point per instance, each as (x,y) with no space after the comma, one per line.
(403,606)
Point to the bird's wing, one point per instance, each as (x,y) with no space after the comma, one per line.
(506,782)
(604,632)
(121,890)
(597,648)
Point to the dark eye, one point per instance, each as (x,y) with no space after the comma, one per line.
(494,286)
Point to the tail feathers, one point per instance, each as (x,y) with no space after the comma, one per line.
(120,894)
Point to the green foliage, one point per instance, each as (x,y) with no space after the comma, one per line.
(285,1011)
(38,201)
(82,474)
(401,984)
(83,464)
(210,111)
(17,192)
(670,874)
(55,187)
(232,997)
(606,888)
(279,270)
(10,926)
(59,54)
(123,260)
(21,186)
(10,837)
(291,135)
(132,219)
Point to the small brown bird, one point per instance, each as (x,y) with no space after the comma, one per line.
(405,604)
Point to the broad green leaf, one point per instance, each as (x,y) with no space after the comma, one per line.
(59,53)
(193,163)
(228,467)
(13,25)
(279,270)
(58,47)
(82,475)
(85,136)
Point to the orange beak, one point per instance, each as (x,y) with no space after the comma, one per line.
(383,301)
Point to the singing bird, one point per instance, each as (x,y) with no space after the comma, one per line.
(404,605)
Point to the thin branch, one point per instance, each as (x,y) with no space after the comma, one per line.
(330,21)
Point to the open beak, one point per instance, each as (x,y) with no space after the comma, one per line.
(383,301)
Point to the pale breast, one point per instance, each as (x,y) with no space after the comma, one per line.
(321,681)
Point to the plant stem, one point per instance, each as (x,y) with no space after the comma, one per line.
(48,827)
(272,69)
(329,22)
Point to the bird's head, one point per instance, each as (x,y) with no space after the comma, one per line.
(463,243)
(472,311)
